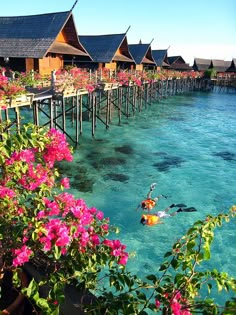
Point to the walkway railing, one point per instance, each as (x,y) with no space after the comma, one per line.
(109,102)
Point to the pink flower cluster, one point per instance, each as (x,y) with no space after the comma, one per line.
(57,149)
(34,174)
(6,192)
(22,255)
(25,156)
(57,224)
(76,78)
(178,304)
(117,250)
(80,223)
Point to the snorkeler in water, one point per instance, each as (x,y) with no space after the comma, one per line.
(155,218)
(149,203)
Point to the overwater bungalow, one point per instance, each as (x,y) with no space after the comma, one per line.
(201,64)
(161,59)
(219,65)
(142,55)
(39,42)
(177,63)
(107,51)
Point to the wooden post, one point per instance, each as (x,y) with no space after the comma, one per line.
(81,113)
(77,119)
(92,107)
(119,105)
(17,115)
(73,109)
(51,113)
(107,107)
(63,114)
(53,80)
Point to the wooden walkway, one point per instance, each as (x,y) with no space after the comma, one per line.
(225,85)
(111,103)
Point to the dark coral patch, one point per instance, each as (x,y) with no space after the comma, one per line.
(113,161)
(168,163)
(109,161)
(92,155)
(71,169)
(226,155)
(117,177)
(126,149)
(84,184)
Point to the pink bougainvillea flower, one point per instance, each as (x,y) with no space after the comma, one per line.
(123,259)
(65,182)
(100,215)
(6,192)
(157,303)
(22,255)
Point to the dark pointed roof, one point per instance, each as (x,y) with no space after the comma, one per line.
(160,57)
(34,36)
(201,64)
(232,67)
(175,59)
(103,48)
(142,53)
(220,65)
(178,63)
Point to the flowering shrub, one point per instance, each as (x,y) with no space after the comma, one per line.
(73,77)
(10,88)
(32,79)
(39,219)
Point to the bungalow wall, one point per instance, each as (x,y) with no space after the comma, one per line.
(50,63)
(45,65)
(139,67)
(110,65)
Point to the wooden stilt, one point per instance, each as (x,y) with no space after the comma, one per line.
(81,113)
(77,119)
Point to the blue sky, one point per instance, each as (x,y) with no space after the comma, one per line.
(190,28)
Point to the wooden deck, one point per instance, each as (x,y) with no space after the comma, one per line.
(111,103)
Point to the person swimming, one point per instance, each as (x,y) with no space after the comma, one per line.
(149,203)
(155,218)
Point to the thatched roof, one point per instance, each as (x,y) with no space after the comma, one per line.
(160,57)
(177,63)
(107,48)
(219,65)
(142,53)
(34,36)
(175,59)
(201,64)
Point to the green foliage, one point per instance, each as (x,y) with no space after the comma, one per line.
(210,73)
(180,272)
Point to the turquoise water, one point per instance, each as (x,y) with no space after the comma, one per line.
(187,145)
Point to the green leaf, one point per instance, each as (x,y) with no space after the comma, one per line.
(142,296)
(207,252)
(168,254)
(163,267)
(151,278)
(209,287)
(174,263)
(191,244)
(42,303)
(56,311)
